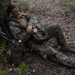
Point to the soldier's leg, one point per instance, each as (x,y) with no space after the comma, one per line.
(55,31)
(47,51)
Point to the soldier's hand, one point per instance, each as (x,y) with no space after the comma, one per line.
(35,30)
(29,29)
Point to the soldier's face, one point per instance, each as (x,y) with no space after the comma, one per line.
(15,11)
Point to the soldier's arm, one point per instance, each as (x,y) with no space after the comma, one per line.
(33,21)
(35,24)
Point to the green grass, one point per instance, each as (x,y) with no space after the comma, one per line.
(2,72)
(21,67)
(67,5)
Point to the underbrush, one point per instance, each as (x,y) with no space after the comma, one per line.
(67,5)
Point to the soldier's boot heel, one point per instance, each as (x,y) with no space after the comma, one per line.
(65,60)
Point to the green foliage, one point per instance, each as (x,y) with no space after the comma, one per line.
(21,66)
(15,1)
(71,39)
(31,7)
(67,5)
(5,59)
(2,72)
(26,7)
(2,50)
(3,44)
(45,56)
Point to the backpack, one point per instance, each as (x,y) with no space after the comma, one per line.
(5,28)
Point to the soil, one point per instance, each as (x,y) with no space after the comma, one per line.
(47,12)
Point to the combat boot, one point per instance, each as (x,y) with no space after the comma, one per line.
(67,48)
(65,60)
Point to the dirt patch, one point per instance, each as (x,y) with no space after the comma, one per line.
(47,12)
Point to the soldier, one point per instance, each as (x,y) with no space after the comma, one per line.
(26,29)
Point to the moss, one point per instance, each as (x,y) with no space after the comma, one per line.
(2,72)
(3,44)
(21,67)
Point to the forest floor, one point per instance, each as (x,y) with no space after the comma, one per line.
(47,12)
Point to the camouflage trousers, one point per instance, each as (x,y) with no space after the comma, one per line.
(55,31)
(46,50)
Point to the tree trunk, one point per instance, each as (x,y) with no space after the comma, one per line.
(3,6)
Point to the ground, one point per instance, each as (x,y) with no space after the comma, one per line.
(47,11)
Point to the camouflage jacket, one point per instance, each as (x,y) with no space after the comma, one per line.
(19,31)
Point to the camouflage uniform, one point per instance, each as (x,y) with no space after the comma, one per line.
(19,33)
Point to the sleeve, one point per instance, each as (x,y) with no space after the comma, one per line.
(33,22)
